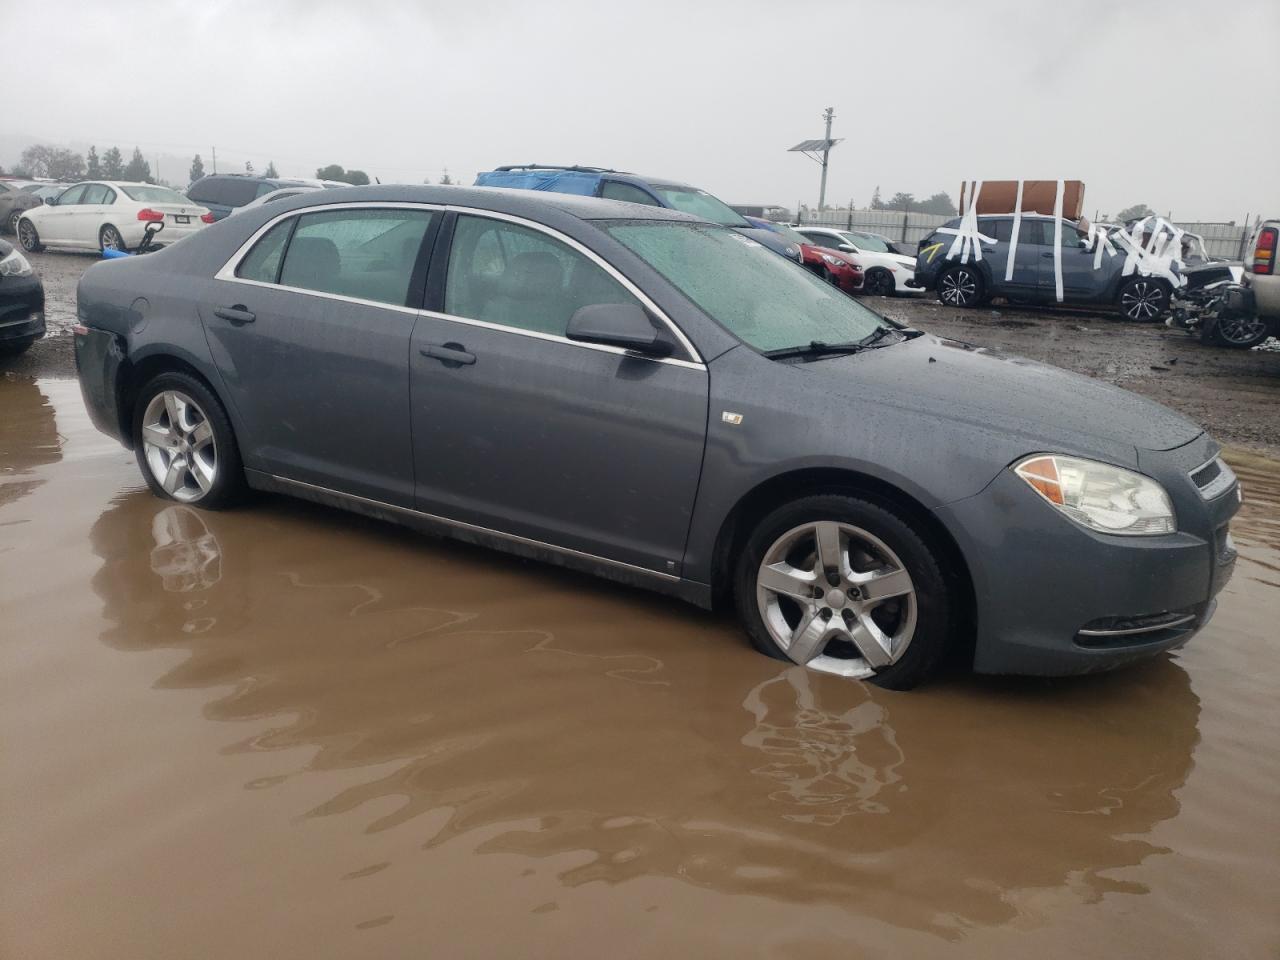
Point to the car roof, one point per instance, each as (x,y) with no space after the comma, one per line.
(533,204)
(602,172)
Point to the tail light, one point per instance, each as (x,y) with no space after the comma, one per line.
(149,215)
(206,218)
(1264,252)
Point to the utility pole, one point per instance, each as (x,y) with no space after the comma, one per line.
(828,115)
(215,159)
(819,151)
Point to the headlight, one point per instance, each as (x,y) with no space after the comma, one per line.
(834,261)
(1099,496)
(15,265)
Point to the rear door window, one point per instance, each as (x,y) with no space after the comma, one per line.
(236,193)
(204,191)
(262,263)
(517,277)
(367,254)
(95,193)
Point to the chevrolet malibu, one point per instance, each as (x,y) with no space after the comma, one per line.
(656,399)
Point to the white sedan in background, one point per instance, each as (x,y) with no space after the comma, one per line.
(110,215)
(884,272)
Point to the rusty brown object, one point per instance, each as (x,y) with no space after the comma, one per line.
(1038,196)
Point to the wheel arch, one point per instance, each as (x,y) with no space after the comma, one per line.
(757,502)
(134,374)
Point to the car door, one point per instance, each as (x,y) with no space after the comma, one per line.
(89,214)
(1028,255)
(1080,282)
(310,331)
(58,223)
(517,428)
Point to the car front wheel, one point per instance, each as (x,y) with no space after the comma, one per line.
(879,282)
(184,443)
(960,287)
(845,586)
(1143,299)
(28,237)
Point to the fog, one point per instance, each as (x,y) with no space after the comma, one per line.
(1145,102)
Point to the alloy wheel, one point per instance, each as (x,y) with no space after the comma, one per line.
(111,239)
(837,599)
(958,288)
(1142,300)
(1242,331)
(882,284)
(27,236)
(178,442)
(12,225)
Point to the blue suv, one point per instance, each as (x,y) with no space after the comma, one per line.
(1087,278)
(651,191)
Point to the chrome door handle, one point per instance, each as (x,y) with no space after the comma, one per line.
(450,354)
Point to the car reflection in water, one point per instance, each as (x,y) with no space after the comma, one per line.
(531,712)
(28,438)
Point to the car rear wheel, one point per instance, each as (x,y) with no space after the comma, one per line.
(28,237)
(879,281)
(961,287)
(11,222)
(185,444)
(844,586)
(109,239)
(1142,299)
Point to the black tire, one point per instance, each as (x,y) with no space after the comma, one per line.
(925,653)
(11,222)
(228,486)
(879,282)
(15,349)
(1241,333)
(28,236)
(1143,299)
(111,238)
(962,286)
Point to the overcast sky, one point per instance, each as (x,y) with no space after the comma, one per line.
(1170,103)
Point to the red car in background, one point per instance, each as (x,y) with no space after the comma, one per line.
(831,266)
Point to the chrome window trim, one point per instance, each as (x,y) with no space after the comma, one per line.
(228,273)
(473,527)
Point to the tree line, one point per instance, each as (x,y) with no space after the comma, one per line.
(58,163)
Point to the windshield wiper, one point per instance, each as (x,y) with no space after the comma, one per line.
(815,348)
(876,335)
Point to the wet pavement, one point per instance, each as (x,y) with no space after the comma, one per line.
(286,731)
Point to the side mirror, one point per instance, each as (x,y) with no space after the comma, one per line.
(49,201)
(848,248)
(624,325)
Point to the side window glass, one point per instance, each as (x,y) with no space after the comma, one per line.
(262,263)
(615,190)
(74,195)
(828,241)
(202,192)
(264,189)
(507,274)
(95,193)
(1001,229)
(111,196)
(369,254)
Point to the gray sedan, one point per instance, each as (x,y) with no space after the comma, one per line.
(659,400)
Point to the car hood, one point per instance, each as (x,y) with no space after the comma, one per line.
(909,262)
(1047,408)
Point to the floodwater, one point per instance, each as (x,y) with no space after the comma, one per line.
(284,731)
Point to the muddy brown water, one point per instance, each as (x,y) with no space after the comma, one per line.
(283,731)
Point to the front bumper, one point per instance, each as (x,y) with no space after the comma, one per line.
(21,309)
(1053,598)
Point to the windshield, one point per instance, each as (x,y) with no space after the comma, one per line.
(767,301)
(867,243)
(700,204)
(149,194)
